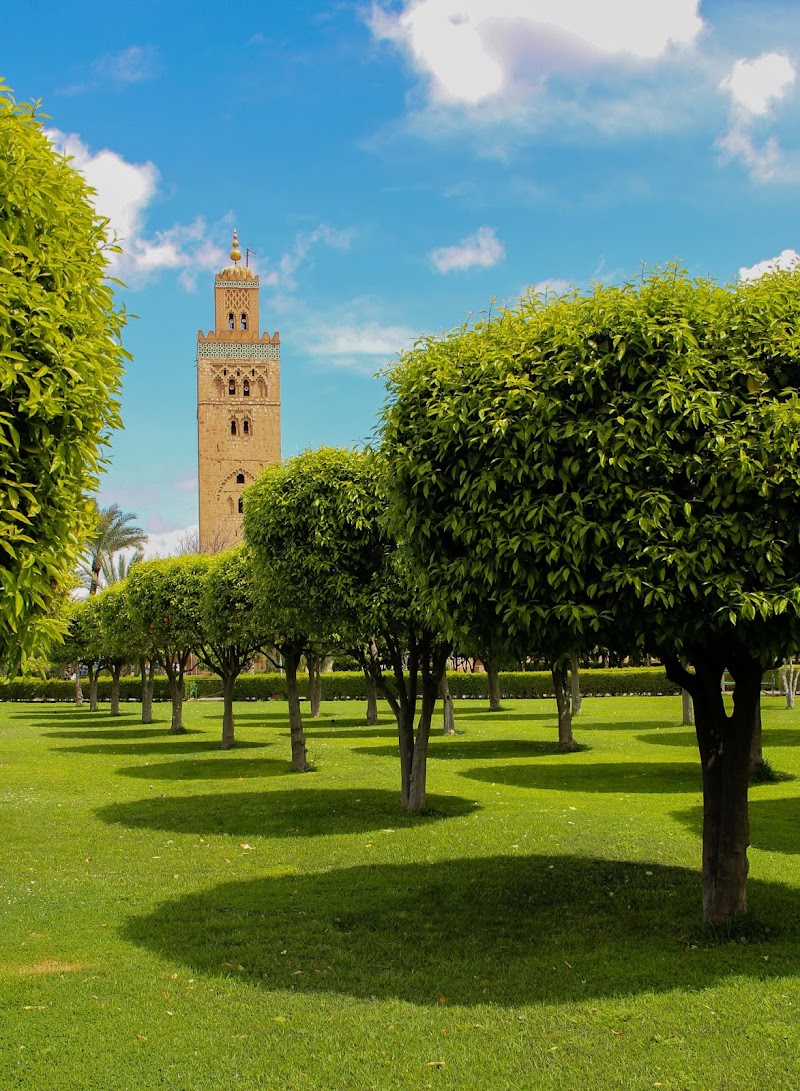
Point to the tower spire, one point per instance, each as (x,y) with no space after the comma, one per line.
(236,254)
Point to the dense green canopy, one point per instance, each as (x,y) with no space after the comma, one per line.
(60,371)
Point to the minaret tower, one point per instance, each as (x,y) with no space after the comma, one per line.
(238,404)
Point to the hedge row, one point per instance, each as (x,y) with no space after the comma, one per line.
(350,685)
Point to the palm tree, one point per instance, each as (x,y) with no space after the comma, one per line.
(118,566)
(114,532)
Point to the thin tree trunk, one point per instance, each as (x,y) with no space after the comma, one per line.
(417,788)
(92,675)
(789,682)
(449,719)
(291,661)
(176,695)
(559,672)
(78,689)
(228,737)
(756,752)
(116,670)
(372,699)
(687,709)
(725,744)
(148,681)
(577,701)
(494,685)
(314,682)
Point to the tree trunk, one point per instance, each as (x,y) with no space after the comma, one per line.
(314,662)
(724,743)
(687,709)
(576,687)
(176,697)
(494,685)
(559,672)
(92,675)
(756,753)
(228,738)
(116,670)
(449,721)
(78,689)
(417,787)
(148,680)
(291,661)
(789,681)
(372,699)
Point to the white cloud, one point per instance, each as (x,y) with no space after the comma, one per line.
(123,193)
(755,87)
(473,50)
(787,259)
(483,249)
(167,543)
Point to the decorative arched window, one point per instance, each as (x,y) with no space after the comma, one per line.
(231,321)
(246,427)
(246,388)
(233,427)
(241,505)
(240,479)
(244,320)
(231,386)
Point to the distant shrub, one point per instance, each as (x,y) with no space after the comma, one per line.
(351,685)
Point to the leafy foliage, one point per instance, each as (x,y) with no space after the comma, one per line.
(60,373)
(623,465)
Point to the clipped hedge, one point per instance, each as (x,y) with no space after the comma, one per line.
(350,685)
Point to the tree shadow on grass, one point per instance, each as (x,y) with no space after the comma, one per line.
(497,930)
(293,812)
(464,749)
(670,736)
(178,746)
(579,724)
(365,732)
(774,823)
(113,735)
(222,768)
(685,736)
(465,711)
(623,778)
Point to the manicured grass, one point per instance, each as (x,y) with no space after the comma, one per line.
(176,917)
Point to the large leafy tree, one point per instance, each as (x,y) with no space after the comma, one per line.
(60,373)
(165,604)
(119,633)
(623,467)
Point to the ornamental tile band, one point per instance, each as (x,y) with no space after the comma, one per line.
(232,350)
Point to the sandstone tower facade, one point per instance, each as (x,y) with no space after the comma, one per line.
(238,404)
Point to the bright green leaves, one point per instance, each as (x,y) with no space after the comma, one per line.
(627,459)
(60,373)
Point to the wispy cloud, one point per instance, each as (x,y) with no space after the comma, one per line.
(357,336)
(117,71)
(755,88)
(281,272)
(481,250)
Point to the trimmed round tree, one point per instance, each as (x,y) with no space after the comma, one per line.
(329,568)
(165,603)
(60,374)
(232,630)
(623,468)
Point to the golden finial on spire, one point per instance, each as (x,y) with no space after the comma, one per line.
(236,254)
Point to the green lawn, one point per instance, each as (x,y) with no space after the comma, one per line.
(177,917)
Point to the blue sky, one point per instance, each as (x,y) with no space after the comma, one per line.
(395,166)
